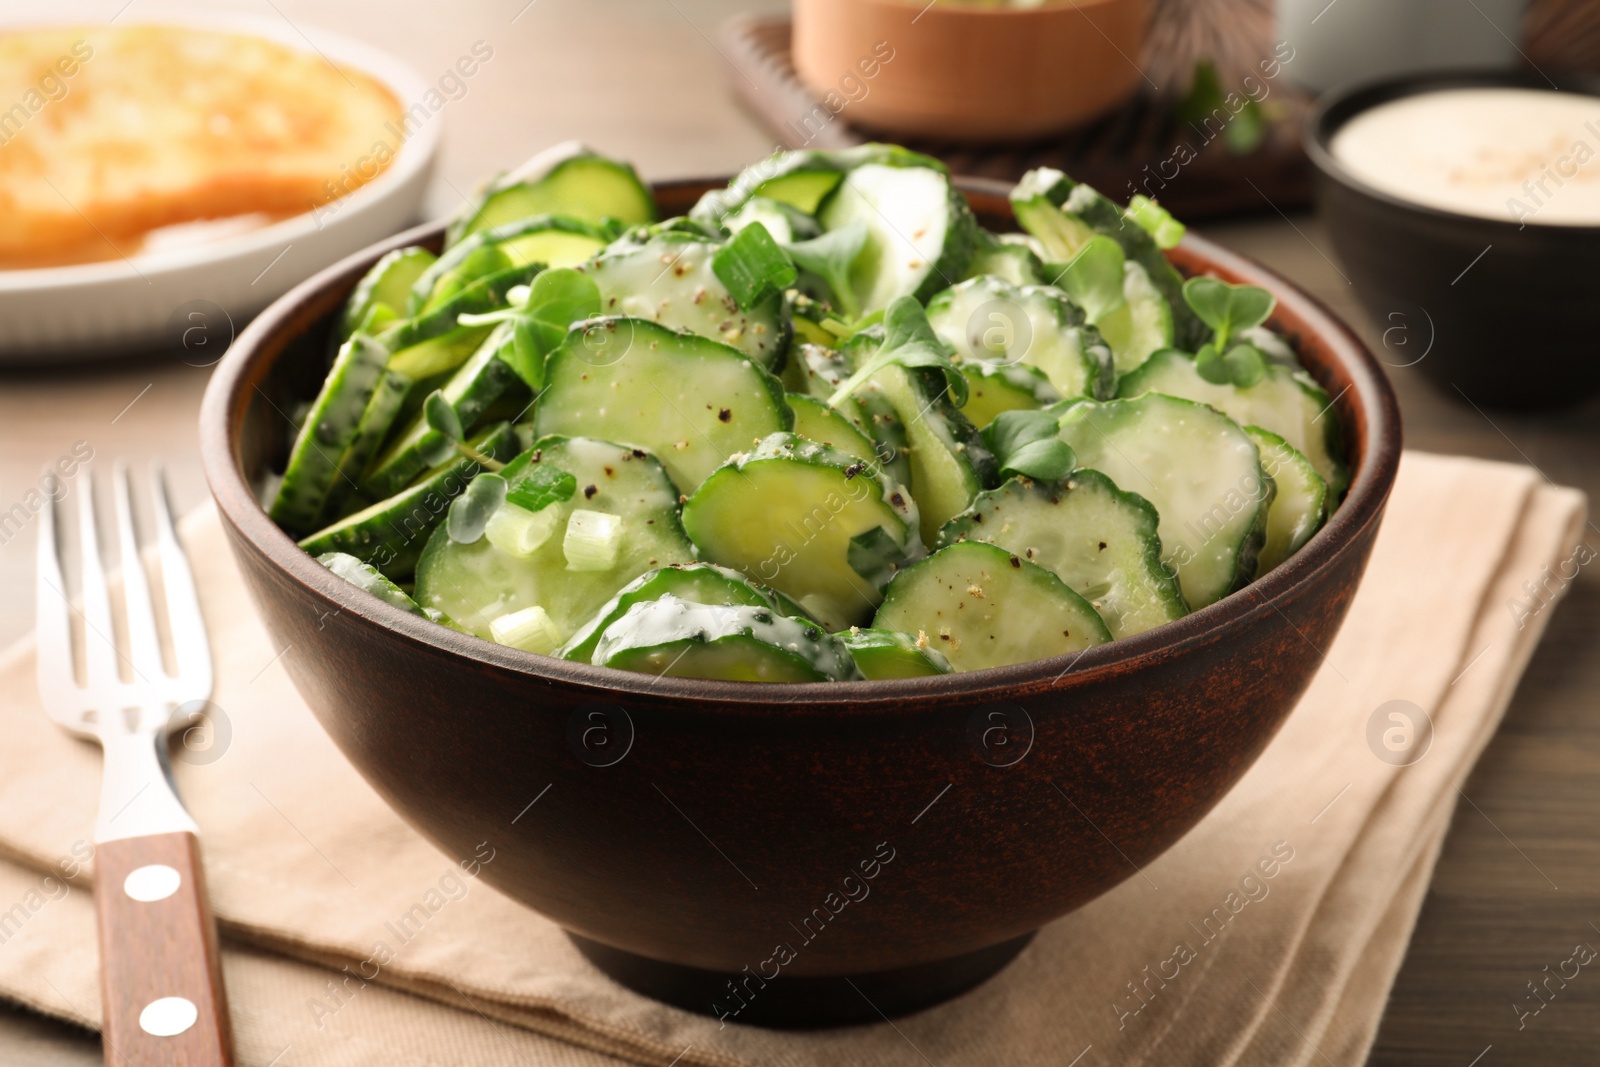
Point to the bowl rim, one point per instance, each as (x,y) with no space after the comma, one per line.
(1339,105)
(1368,392)
(415,154)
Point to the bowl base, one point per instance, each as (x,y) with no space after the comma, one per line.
(806,1002)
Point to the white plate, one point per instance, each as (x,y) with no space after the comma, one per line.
(199,296)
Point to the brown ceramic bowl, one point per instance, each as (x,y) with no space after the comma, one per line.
(684,830)
(965,73)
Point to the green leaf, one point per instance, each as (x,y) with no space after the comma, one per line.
(908,341)
(876,556)
(441,416)
(1242,366)
(470,512)
(525,335)
(1027,443)
(1094,277)
(1156,221)
(541,487)
(1206,108)
(830,257)
(1228,309)
(753,266)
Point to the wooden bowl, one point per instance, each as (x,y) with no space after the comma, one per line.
(909,835)
(970,74)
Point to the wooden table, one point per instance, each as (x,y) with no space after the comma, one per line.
(642,79)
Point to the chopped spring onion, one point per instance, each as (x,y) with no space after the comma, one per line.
(518,531)
(593,540)
(530,629)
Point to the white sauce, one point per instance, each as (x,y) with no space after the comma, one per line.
(1525,155)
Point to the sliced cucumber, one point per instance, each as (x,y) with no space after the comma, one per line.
(1301,506)
(1139,327)
(996,387)
(572,181)
(789,514)
(549,240)
(949,463)
(920,231)
(1064,214)
(478,583)
(366,577)
(390,533)
(692,401)
(388,285)
(1200,470)
(699,583)
(474,386)
(1104,543)
(785,222)
(435,343)
(1006,260)
(891,654)
(330,427)
(735,643)
(988,318)
(867,409)
(799,179)
(815,420)
(669,279)
(1287,402)
(376,421)
(1272,345)
(981,606)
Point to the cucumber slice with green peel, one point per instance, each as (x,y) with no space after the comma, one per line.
(670,280)
(435,343)
(996,387)
(784,222)
(478,583)
(982,606)
(376,421)
(471,390)
(698,583)
(734,643)
(387,285)
(1272,345)
(890,654)
(810,521)
(1006,260)
(692,401)
(1103,542)
(1201,472)
(989,319)
(815,420)
(920,231)
(801,179)
(549,240)
(1139,327)
(390,534)
(949,463)
(330,428)
(867,409)
(1287,402)
(366,577)
(572,181)
(1063,215)
(1301,505)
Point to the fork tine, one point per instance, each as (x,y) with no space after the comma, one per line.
(100,637)
(144,644)
(183,603)
(54,655)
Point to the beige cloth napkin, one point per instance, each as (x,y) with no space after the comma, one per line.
(1199,959)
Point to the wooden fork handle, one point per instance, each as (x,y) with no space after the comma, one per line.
(160,971)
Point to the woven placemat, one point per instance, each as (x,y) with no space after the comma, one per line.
(1141,147)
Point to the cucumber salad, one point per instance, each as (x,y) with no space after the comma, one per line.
(824,427)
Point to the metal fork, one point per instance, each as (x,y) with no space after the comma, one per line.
(160,972)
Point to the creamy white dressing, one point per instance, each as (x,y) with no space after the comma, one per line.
(1529,156)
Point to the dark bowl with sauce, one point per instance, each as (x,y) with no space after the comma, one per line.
(1493,313)
(903,839)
